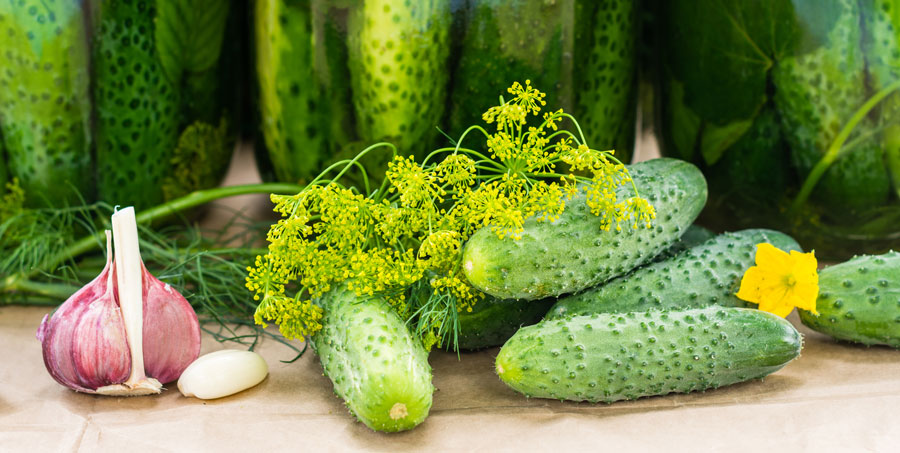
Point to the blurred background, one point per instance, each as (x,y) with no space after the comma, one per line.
(788,106)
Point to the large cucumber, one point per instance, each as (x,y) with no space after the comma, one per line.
(574,253)
(816,94)
(859,301)
(398,53)
(707,274)
(505,42)
(377,367)
(610,357)
(138,109)
(44,99)
(606,75)
(493,321)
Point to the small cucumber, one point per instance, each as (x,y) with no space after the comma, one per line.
(493,321)
(398,54)
(707,274)
(816,93)
(606,75)
(138,109)
(859,301)
(506,42)
(45,110)
(288,101)
(611,357)
(573,252)
(380,371)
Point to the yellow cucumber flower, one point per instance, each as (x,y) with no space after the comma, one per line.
(781,281)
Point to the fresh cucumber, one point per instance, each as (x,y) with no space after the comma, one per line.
(138,109)
(45,109)
(574,253)
(505,42)
(377,367)
(693,236)
(704,275)
(493,321)
(606,84)
(816,94)
(859,301)
(398,58)
(610,357)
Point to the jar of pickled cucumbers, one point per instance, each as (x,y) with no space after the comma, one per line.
(126,101)
(334,76)
(792,110)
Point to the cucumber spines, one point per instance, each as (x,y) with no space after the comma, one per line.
(610,357)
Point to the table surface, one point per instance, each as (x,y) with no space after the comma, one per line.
(834,397)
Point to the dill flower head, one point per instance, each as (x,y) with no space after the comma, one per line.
(404,240)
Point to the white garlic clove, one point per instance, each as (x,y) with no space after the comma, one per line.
(222,373)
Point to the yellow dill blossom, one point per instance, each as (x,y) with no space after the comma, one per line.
(781,281)
(440,250)
(404,240)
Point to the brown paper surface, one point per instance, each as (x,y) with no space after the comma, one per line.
(835,397)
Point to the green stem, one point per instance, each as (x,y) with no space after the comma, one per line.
(58,291)
(188,201)
(833,151)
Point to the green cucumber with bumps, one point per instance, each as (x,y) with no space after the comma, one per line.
(610,357)
(574,253)
(398,56)
(138,109)
(375,364)
(505,42)
(45,111)
(816,93)
(493,321)
(606,74)
(708,274)
(694,235)
(859,301)
(291,130)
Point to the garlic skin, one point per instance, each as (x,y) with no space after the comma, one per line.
(84,342)
(222,373)
(171,330)
(125,332)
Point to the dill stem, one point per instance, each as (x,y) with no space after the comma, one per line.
(50,290)
(188,201)
(834,150)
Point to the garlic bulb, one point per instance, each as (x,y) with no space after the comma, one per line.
(125,332)
(222,373)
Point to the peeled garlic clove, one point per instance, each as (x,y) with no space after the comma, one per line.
(222,373)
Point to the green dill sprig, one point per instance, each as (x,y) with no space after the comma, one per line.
(48,254)
(404,240)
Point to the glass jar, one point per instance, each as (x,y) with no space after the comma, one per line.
(791,110)
(334,76)
(126,101)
